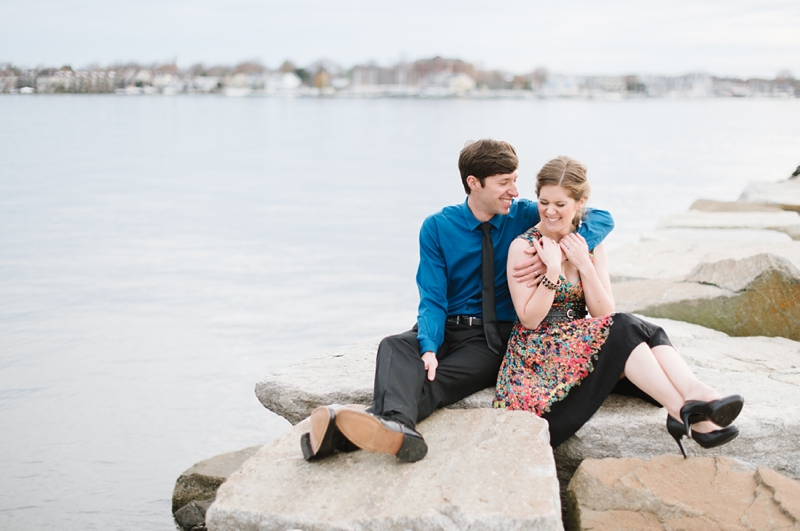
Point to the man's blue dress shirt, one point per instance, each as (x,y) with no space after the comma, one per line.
(449,274)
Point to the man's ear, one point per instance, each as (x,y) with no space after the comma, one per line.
(473,182)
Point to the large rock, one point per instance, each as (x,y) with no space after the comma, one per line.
(766,371)
(783,194)
(753,296)
(486,469)
(707,205)
(668,492)
(192,516)
(782,221)
(201,480)
(344,376)
(673,254)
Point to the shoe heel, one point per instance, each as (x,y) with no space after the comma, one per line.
(412,450)
(305,445)
(676,429)
(321,439)
(686,417)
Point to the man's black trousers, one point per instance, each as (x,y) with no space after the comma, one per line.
(466,365)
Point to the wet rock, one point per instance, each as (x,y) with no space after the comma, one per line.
(754,296)
(783,194)
(738,275)
(201,480)
(668,492)
(192,516)
(673,254)
(486,469)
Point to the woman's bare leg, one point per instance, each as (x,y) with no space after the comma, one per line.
(681,376)
(646,373)
(685,381)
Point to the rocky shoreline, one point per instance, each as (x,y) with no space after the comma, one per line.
(723,279)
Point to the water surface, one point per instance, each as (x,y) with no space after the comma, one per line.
(159,255)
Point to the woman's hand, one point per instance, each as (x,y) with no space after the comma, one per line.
(549,252)
(575,249)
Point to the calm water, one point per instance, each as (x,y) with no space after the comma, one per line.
(158,256)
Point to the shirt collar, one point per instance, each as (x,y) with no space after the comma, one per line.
(473,223)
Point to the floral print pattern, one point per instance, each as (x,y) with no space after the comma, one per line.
(542,365)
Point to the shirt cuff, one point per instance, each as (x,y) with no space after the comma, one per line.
(427,345)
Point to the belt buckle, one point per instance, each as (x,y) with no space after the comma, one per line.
(470,318)
(570,314)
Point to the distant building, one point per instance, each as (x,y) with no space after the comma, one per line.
(433,77)
(8,81)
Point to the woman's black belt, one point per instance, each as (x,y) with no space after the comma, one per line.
(570,314)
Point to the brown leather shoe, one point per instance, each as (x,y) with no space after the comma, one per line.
(385,436)
(324,436)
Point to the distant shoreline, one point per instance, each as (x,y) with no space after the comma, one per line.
(437,77)
(411,94)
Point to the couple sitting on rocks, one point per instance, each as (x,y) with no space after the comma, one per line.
(505,286)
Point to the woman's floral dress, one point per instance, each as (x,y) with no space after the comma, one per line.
(564,368)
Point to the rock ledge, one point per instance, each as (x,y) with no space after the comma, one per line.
(471,488)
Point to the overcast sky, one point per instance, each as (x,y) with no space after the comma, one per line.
(722,37)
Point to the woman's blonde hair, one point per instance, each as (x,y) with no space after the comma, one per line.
(569,174)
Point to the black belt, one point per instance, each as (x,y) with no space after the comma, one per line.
(466,320)
(570,314)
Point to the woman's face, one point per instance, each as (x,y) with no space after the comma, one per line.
(557,209)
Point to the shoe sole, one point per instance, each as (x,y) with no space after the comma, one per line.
(727,412)
(319,441)
(724,412)
(368,432)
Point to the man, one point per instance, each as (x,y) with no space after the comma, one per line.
(465,312)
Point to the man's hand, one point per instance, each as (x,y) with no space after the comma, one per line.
(430,361)
(530,270)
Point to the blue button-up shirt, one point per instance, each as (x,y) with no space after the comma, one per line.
(449,273)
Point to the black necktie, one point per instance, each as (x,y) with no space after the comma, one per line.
(490,328)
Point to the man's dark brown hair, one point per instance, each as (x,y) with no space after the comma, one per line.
(484,158)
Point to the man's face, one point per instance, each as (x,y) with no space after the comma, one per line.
(495,196)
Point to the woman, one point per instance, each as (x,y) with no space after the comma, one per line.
(561,364)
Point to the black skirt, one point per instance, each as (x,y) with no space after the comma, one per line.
(627,332)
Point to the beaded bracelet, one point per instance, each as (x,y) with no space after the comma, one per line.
(549,284)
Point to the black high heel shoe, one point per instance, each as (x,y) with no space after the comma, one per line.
(711,439)
(677,430)
(716,438)
(721,412)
